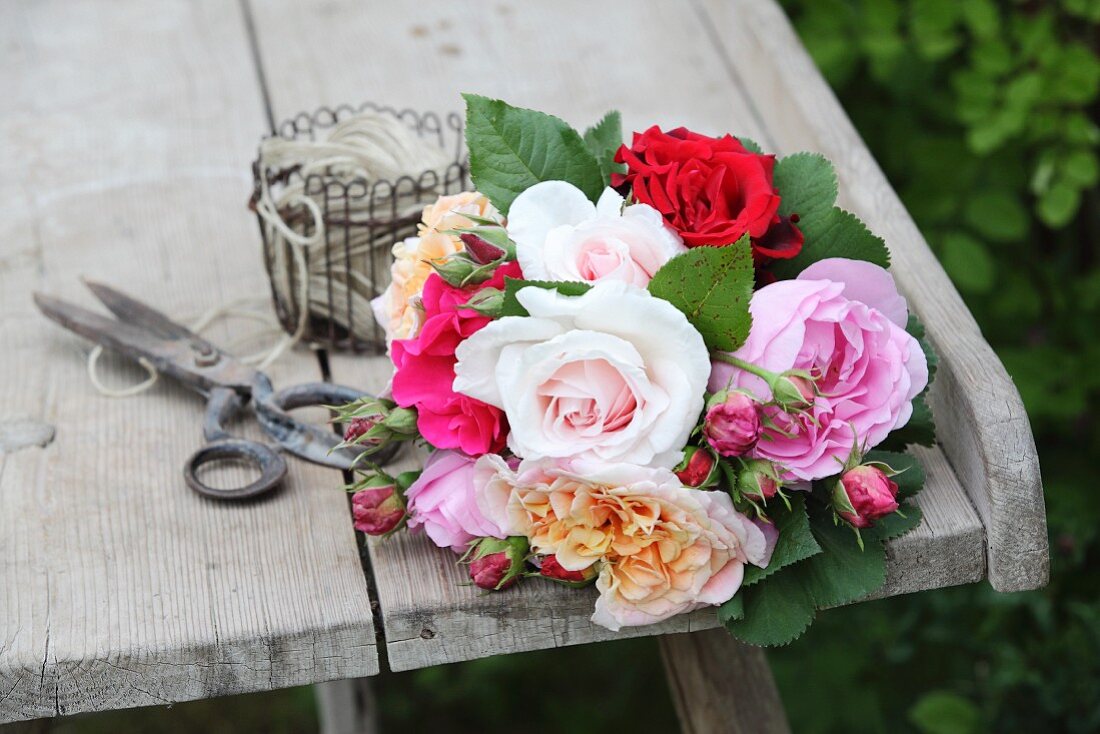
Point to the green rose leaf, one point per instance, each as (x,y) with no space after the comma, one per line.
(712,286)
(775,613)
(750,145)
(807,186)
(894,525)
(843,572)
(838,233)
(512,149)
(603,140)
(511,305)
(795,543)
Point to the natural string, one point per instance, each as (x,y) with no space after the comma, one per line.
(369,146)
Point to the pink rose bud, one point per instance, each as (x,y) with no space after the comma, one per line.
(791,390)
(699,468)
(358,427)
(376,510)
(758,480)
(497,563)
(732,427)
(864,494)
(553,570)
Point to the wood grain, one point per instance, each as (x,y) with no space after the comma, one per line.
(980,417)
(430,612)
(720,686)
(127,131)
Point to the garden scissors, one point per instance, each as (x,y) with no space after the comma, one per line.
(141,332)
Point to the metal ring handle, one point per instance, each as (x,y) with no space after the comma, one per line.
(270,462)
(313,443)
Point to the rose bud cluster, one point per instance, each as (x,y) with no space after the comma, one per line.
(864,494)
(552,569)
(495,564)
(699,469)
(732,425)
(377,508)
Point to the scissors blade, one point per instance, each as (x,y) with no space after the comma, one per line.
(132,311)
(180,358)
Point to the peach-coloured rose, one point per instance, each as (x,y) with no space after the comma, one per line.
(661,548)
(397,309)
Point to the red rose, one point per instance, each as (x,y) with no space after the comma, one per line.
(710,190)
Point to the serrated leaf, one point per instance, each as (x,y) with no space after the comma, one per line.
(910,480)
(511,149)
(712,286)
(603,140)
(894,525)
(795,543)
(807,187)
(916,328)
(837,234)
(919,430)
(732,610)
(842,572)
(511,305)
(750,145)
(775,613)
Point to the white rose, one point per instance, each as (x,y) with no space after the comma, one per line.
(615,375)
(561,235)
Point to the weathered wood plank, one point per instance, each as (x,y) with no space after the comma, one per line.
(980,417)
(430,612)
(128,130)
(721,685)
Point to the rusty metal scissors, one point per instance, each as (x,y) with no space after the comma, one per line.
(142,332)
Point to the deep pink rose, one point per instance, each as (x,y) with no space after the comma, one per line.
(732,427)
(871,494)
(425,370)
(844,322)
(442,501)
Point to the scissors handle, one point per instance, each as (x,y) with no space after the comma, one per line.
(222,404)
(313,443)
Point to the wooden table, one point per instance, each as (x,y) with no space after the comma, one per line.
(127,130)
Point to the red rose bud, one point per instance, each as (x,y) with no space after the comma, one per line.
(553,570)
(863,495)
(496,563)
(377,510)
(758,480)
(481,250)
(732,427)
(358,427)
(699,468)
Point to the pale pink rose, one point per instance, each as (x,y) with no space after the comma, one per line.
(661,549)
(868,367)
(561,235)
(443,502)
(615,375)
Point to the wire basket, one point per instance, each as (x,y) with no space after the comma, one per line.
(362,219)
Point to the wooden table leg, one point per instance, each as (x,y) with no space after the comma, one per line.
(347,706)
(721,685)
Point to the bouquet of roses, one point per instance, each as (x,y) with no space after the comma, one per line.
(672,369)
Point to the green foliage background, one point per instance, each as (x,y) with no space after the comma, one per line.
(983,113)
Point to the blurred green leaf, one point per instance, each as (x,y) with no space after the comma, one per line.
(968,262)
(943,712)
(997,215)
(1059,203)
